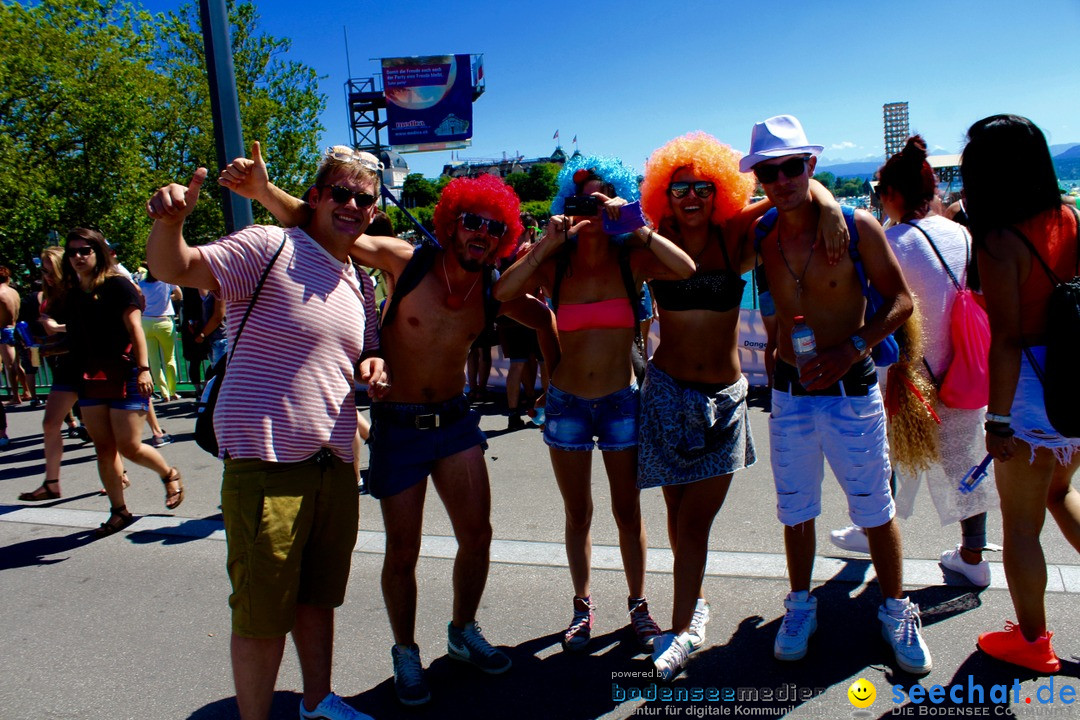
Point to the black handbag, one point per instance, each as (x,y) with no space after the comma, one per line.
(205,435)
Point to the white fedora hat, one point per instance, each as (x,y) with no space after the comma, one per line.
(776,137)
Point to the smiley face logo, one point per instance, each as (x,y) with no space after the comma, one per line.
(861,693)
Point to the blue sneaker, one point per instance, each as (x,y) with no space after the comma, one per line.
(468,644)
(332,707)
(409,683)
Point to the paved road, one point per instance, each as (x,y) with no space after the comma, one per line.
(137,625)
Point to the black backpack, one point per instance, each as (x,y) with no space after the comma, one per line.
(1060,381)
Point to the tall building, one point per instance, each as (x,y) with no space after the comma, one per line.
(897,129)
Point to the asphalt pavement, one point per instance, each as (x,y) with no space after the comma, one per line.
(137,625)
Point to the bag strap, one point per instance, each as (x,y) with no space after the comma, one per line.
(941,258)
(1031,248)
(418,266)
(254,297)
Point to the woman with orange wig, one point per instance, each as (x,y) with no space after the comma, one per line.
(694,433)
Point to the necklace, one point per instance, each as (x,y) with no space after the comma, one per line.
(452,301)
(801,276)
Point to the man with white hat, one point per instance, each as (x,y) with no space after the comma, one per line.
(832,407)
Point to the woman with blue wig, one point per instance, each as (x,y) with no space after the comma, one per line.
(592,270)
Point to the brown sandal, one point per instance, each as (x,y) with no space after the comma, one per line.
(42,493)
(173,476)
(119,518)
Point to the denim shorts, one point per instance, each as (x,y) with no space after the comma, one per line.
(1029,418)
(407,440)
(572,422)
(132,400)
(849,431)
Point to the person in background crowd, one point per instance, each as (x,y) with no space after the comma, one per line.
(907,186)
(519,344)
(108,353)
(29,325)
(1019,223)
(9,313)
(159,327)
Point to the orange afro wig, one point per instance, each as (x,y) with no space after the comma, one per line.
(710,160)
(486,195)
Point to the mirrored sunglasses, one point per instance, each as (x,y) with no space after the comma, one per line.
(701,188)
(475,223)
(792,168)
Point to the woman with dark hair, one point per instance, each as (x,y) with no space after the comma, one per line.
(1019,222)
(935,254)
(593,280)
(108,349)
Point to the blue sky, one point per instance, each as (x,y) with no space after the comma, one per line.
(627,77)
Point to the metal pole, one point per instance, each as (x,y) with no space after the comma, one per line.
(224,105)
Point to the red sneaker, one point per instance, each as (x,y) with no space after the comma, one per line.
(1009,645)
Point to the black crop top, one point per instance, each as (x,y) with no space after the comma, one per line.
(719,290)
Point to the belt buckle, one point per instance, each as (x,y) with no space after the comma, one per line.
(426,422)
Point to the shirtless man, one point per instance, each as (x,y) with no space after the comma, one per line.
(833,408)
(9,312)
(424,425)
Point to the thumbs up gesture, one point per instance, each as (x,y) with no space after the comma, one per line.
(174,202)
(247,177)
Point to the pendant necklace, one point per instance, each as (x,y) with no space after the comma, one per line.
(800,277)
(452,301)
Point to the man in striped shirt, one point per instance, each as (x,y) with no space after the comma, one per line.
(424,426)
(286,418)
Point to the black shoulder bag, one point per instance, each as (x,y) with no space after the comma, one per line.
(205,436)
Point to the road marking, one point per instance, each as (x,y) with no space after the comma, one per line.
(764,566)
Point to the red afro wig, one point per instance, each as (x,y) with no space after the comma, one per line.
(486,194)
(710,159)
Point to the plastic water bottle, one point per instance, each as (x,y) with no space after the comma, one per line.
(802,341)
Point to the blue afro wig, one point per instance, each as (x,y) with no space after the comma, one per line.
(610,170)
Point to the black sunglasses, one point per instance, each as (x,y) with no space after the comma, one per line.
(701,188)
(792,168)
(84,251)
(474,223)
(342,195)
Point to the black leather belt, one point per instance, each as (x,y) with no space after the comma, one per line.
(435,417)
(856,382)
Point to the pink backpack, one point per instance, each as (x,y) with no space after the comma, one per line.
(966,383)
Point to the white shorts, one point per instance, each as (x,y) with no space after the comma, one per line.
(848,431)
(1029,412)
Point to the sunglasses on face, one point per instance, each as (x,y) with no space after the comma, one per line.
(84,251)
(792,168)
(342,195)
(701,188)
(474,223)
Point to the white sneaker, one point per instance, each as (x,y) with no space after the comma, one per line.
(332,707)
(670,654)
(851,538)
(800,622)
(696,631)
(977,574)
(900,624)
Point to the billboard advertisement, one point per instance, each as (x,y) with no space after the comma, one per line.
(428,102)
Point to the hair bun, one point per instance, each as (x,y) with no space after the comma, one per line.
(915,149)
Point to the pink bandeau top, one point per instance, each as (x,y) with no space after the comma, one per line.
(613,313)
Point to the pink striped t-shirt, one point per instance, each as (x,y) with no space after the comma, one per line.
(289,388)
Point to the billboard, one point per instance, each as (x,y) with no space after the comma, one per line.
(428,102)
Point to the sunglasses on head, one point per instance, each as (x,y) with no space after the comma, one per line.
(343,153)
(84,251)
(701,188)
(792,168)
(342,195)
(474,223)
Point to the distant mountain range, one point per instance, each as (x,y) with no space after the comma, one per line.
(1066,162)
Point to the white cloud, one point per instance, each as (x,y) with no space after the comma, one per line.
(846,145)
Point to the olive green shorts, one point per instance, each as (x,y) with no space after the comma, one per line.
(290,529)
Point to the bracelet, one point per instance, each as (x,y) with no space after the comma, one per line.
(648,238)
(995,418)
(998,430)
(143,368)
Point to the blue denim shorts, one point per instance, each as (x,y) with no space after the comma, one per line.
(133,399)
(571,422)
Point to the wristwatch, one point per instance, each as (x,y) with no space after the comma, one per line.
(859,343)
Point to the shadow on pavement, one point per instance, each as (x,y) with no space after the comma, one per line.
(38,551)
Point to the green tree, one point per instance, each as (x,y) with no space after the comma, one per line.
(418,190)
(101,103)
(826,178)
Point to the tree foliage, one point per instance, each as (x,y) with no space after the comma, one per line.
(101,103)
